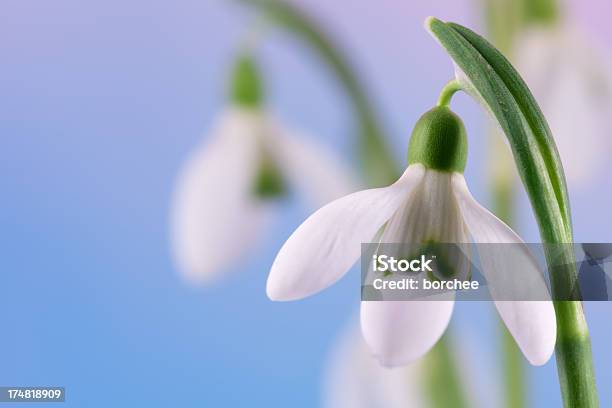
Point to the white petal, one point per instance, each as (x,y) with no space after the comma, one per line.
(214,217)
(511,273)
(327,244)
(355,379)
(430,213)
(400,332)
(319,175)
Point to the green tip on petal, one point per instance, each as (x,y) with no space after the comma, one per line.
(246,88)
(439,141)
(269,181)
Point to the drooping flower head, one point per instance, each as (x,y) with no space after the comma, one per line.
(226,190)
(429,203)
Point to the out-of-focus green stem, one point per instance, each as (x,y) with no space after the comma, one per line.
(541,11)
(378,164)
(503,199)
(504,20)
(514,380)
(508,18)
(442,382)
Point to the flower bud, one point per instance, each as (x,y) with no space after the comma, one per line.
(439,141)
(246,89)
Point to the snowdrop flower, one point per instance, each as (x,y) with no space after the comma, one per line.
(430,202)
(354,378)
(572,80)
(225,190)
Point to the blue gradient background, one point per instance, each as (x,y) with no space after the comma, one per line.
(100,103)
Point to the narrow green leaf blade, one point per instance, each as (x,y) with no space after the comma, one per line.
(493,81)
(530,109)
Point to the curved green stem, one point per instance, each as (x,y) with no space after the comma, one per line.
(379,165)
(492,80)
(448,91)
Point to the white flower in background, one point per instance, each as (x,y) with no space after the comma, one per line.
(430,202)
(354,378)
(225,191)
(572,80)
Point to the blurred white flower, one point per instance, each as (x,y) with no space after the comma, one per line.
(430,202)
(355,379)
(224,193)
(571,79)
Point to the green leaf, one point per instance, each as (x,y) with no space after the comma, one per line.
(488,76)
(492,80)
